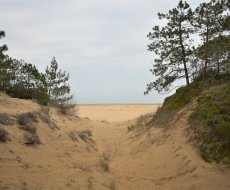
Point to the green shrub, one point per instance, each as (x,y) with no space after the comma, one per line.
(211,122)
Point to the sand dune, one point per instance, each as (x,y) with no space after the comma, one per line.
(115,112)
(137,160)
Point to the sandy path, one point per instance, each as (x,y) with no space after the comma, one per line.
(156,159)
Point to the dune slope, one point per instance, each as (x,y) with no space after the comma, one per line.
(112,158)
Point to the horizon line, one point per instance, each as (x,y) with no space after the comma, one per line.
(119,103)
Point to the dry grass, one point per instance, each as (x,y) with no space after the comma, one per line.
(44,115)
(3,135)
(110,185)
(84,135)
(140,123)
(104,164)
(31,139)
(5,119)
(73,135)
(67,109)
(106,156)
(27,118)
(28,128)
(25,121)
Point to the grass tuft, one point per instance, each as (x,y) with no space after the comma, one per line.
(3,135)
(31,139)
(67,109)
(27,118)
(28,128)
(5,119)
(84,135)
(25,121)
(104,164)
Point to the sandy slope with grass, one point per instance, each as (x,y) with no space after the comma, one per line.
(106,148)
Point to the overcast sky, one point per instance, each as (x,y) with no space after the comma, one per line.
(101,43)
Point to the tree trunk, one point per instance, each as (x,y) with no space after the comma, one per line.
(183,56)
(206,54)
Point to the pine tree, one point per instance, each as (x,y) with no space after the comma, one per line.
(57,86)
(4,65)
(219,55)
(210,22)
(172,45)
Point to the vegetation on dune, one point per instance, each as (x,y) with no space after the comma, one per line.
(5,119)
(44,115)
(204,62)
(27,118)
(25,121)
(140,123)
(67,109)
(84,135)
(23,80)
(104,164)
(110,185)
(209,118)
(3,135)
(211,123)
(31,139)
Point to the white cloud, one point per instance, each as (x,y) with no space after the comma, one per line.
(102,43)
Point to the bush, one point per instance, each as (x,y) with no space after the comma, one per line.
(211,122)
(31,139)
(27,118)
(5,119)
(44,114)
(26,123)
(28,128)
(3,135)
(67,109)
